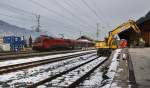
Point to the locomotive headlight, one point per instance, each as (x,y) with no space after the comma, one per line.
(100,44)
(97,45)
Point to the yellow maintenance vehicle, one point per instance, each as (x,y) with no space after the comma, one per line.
(104,48)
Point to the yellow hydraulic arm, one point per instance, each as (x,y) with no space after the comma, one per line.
(123,27)
(105,47)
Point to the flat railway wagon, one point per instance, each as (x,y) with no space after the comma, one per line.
(44,43)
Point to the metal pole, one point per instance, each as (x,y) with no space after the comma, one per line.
(97,33)
(38,23)
(80,33)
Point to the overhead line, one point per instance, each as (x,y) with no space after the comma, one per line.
(30,13)
(75,4)
(16,21)
(13,9)
(16,9)
(72,13)
(91,9)
(77,16)
(15,17)
(50,10)
(102,16)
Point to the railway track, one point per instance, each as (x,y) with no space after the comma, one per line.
(19,66)
(12,53)
(71,77)
(47,69)
(68,72)
(28,52)
(18,55)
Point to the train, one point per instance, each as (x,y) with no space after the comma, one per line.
(47,43)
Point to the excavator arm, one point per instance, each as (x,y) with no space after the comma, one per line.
(104,47)
(121,28)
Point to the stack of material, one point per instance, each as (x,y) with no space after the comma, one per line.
(4,47)
(1,40)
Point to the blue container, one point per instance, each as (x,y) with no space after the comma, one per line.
(16,43)
(17,39)
(8,39)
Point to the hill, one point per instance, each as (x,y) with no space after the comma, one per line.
(7,29)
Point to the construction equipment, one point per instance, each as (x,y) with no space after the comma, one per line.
(105,47)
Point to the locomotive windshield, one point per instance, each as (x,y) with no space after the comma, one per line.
(50,37)
(37,40)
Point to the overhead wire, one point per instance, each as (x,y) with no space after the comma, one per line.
(72,4)
(57,13)
(13,17)
(95,13)
(101,14)
(15,22)
(77,17)
(15,10)
(22,12)
(86,4)
(78,6)
(65,26)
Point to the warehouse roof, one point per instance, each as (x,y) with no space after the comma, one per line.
(85,37)
(144,19)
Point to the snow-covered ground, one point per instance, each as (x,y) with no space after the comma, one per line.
(96,78)
(112,70)
(29,76)
(93,81)
(33,75)
(19,61)
(74,75)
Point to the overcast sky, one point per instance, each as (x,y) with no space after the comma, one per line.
(72,17)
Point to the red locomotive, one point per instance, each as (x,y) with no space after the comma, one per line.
(50,43)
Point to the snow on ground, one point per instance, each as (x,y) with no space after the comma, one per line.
(69,78)
(19,61)
(93,81)
(112,70)
(29,76)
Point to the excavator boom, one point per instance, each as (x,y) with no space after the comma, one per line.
(105,47)
(123,27)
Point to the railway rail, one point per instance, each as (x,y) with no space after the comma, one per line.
(18,55)
(69,72)
(14,67)
(12,53)
(71,77)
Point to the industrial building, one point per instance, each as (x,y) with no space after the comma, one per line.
(144,25)
(132,38)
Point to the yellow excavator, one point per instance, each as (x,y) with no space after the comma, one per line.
(104,48)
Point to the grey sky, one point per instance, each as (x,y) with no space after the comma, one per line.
(72,16)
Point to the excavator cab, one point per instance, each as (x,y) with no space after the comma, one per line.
(105,50)
(102,48)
